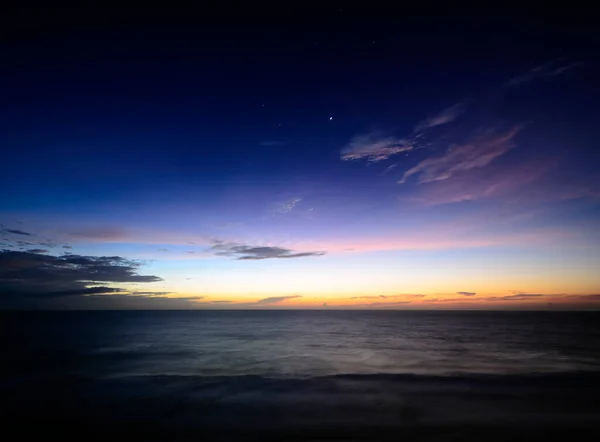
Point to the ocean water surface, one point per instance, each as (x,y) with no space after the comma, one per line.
(301,343)
(302,375)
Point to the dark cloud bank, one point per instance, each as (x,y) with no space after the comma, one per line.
(34,279)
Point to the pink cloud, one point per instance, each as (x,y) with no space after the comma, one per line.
(533,181)
(444,117)
(374,147)
(480,151)
(477,184)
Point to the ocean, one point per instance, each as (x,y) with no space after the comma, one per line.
(302,375)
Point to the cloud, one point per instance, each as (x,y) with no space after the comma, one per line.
(33,275)
(466,293)
(84,292)
(38,251)
(373,147)
(387,304)
(250,253)
(67,247)
(377,146)
(276,299)
(389,168)
(480,151)
(16,232)
(524,180)
(519,297)
(590,297)
(405,296)
(446,116)
(288,205)
(149,293)
(546,70)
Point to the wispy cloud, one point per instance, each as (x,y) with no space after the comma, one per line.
(38,251)
(493,181)
(446,116)
(152,294)
(377,146)
(546,70)
(403,297)
(389,168)
(386,304)
(244,252)
(288,205)
(276,299)
(374,146)
(480,151)
(528,182)
(519,297)
(466,293)
(16,232)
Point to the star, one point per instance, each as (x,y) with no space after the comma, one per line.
(330,118)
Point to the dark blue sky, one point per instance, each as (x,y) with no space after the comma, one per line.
(334,135)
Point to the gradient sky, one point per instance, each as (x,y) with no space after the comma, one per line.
(358,160)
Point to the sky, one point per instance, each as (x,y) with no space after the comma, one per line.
(348,159)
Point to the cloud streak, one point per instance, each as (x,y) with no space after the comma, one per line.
(374,147)
(546,70)
(276,299)
(377,146)
(446,116)
(480,151)
(288,206)
(16,232)
(243,252)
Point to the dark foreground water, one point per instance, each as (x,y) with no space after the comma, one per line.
(301,375)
